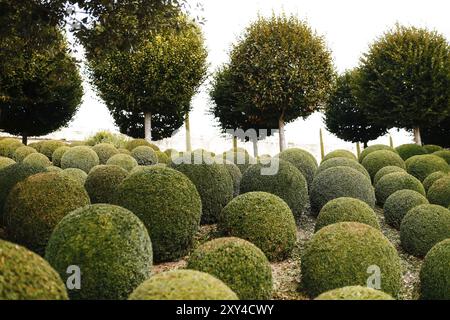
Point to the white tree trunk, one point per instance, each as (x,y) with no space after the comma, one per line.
(188,134)
(148,126)
(417,137)
(255,147)
(281,134)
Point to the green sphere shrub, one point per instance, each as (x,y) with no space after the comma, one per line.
(105,151)
(75,174)
(183,285)
(35,145)
(435,273)
(81,157)
(37,159)
(124,161)
(423,227)
(22,152)
(235,175)
(376,147)
(385,171)
(162,157)
(303,161)
(102,183)
(242,159)
(439,192)
(432,178)
(396,181)
(398,205)
(168,204)
(422,166)
(354,293)
(109,244)
(132,144)
(379,159)
(8,146)
(48,147)
(238,263)
(145,156)
(407,151)
(339,154)
(431,148)
(26,276)
(172,153)
(288,183)
(338,182)
(342,254)
(57,155)
(444,154)
(35,206)
(346,210)
(54,169)
(213,183)
(263,219)
(124,151)
(342,162)
(5,162)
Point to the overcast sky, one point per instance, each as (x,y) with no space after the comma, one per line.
(349,26)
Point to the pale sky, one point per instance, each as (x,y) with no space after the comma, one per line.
(349,26)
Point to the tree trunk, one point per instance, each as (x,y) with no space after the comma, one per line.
(148,126)
(322,146)
(417,137)
(255,147)
(358,149)
(365,144)
(281,134)
(188,134)
(24,138)
(391,141)
(235,144)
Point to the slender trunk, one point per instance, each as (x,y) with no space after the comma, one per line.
(417,137)
(322,146)
(255,147)
(235,146)
(25,139)
(365,144)
(281,134)
(148,126)
(188,133)
(391,141)
(358,149)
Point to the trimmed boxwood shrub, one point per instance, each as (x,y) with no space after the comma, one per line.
(8,146)
(398,205)
(81,157)
(342,162)
(105,151)
(341,254)
(11,175)
(35,145)
(435,273)
(145,156)
(124,151)
(124,161)
(288,183)
(385,171)
(380,159)
(444,154)
(439,192)
(35,206)
(162,157)
(76,174)
(422,166)
(407,151)
(22,152)
(26,276)
(431,148)
(172,152)
(303,161)
(183,285)
(55,169)
(236,176)
(168,204)
(213,183)
(238,263)
(102,183)
(376,147)
(340,154)
(396,181)
(48,147)
(138,143)
(5,162)
(432,178)
(354,293)
(109,244)
(242,159)
(57,155)
(340,182)
(423,227)
(263,219)
(37,159)
(346,210)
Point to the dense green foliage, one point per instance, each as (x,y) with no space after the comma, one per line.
(303,161)
(105,151)
(385,171)
(241,159)
(47,147)
(75,174)
(424,165)
(399,203)
(236,176)
(81,157)
(5,162)
(432,178)
(354,293)
(161,157)
(437,133)
(57,155)
(8,146)
(380,159)
(102,182)
(396,181)
(439,192)
(339,154)
(444,154)
(375,147)
(132,144)
(37,159)
(124,161)
(407,151)
(431,148)
(22,152)
(145,156)
(435,273)
(342,162)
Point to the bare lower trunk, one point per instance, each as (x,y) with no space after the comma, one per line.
(235,144)
(358,149)
(25,139)
(417,137)
(255,147)
(281,134)
(188,133)
(391,141)
(148,126)
(322,146)
(365,144)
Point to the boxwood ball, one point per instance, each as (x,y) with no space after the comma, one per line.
(123,160)
(407,151)
(431,148)
(37,159)
(26,276)
(380,159)
(5,162)
(140,142)
(385,171)
(168,204)
(396,181)
(303,161)
(35,206)
(109,244)
(263,219)
(238,263)
(342,162)
(105,151)
(374,148)
(435,273)
(22,152)
(432,178)
(354,293)
(423,227)
(339,154)
(398,205)
(439,192)
(183,285)
(102,183)
(342,254)
(236,176)
(81,157)
(57,155)
(338,182)
(145,156)
(424,165)
(444,154)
